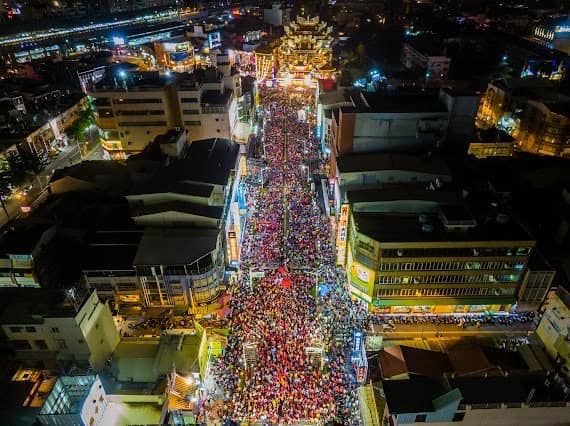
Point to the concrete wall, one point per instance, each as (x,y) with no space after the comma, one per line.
(99,330)
(389,132)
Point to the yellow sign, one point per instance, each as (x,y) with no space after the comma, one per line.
(341,236)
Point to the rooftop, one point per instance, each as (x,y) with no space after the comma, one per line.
(507,389)
(180,206)
(214,97)
(402,103)
(400,193)
(164,186)
(407,228)
(379,162)
(209,161)
(412,396)
(397,360)
(175,246)
(426,45)
(30,306)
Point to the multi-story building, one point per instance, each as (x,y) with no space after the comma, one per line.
(555,35)
(145,105)
(118,6)
(387,123)
(178,57)
(554,328)
(427,56)
(190,214)
(57,325)
(442,260)
(276,15)
(510,400)
(491,143)
(545,128)
(40,126)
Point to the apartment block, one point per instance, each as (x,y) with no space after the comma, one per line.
(59,325)
(133,111)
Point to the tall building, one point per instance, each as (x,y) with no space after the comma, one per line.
(388,123)
(533,111)
(132,110)
(57,325)
(554,328)
(424,55)
(429,254)
(554,34)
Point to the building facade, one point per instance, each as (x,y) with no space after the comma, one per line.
(421,56)
(72,329)
(134,114)
(424,264)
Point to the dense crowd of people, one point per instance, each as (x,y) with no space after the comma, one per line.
(297,368)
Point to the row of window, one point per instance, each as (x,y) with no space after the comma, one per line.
(40,344)
(142,123)
(213,109)
(454,291)
(137,101)
(456,252)
(143,112)
(449,279)
(189,100)
(452,266)
(193,123)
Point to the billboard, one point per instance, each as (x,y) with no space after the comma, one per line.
(341,236)
(214,40)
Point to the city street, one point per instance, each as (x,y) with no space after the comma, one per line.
(69,155)
(288,360)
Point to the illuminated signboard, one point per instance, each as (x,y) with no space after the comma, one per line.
(358,358)
(233,246)
(214,40)
(562,29)
(341,235)
(362,274)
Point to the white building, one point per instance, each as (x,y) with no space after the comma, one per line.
(133,112)
(425,56)
(276,15)
(46,324)
(554,329)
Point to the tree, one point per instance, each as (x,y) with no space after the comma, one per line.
(5,190)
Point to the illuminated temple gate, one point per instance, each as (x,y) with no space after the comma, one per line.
(303,54)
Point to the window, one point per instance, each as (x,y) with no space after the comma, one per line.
(142,123)
(40,344)
(458,417)
(137,101)
(31,329)
(16,329)
(81,341)
(188,100)
(192,123)
(191,111)
(61,344)
(21,345)
(55,329)
(421,418)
